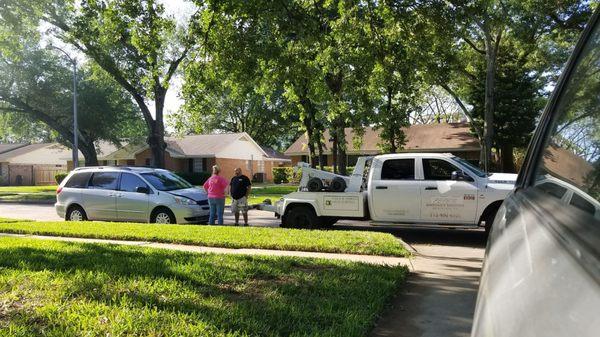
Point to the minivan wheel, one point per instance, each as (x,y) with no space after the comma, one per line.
(163,216)
(76,213)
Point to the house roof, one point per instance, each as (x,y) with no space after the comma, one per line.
(191,146)
(448,137)
(9,147)
(10,155)
(566,165)
(274,154)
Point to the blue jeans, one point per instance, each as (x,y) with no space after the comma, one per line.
(217,207)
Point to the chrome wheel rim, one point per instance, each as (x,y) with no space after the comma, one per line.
(76,215)
(163,218)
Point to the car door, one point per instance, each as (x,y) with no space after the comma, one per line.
(131,204)
(100,196)
(394,192)
(444,200)
(541,275)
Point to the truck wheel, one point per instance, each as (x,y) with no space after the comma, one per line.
(338,185)
(489,220)
(314,185)
(327,222)
(301,217)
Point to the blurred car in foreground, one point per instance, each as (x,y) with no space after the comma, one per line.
(541,274)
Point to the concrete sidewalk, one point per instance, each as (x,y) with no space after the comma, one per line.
(370,259)
(439,296)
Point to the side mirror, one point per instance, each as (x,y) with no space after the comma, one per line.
(142,189)
(460,176)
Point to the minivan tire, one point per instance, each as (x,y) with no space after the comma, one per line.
(162,216)
(75,213)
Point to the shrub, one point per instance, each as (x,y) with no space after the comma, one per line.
(195,178)
(59,177)
(280,175)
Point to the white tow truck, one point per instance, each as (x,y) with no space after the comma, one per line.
(405,188)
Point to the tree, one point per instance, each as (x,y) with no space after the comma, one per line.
(35,86)
(518,102)
(484,25)
(139,46)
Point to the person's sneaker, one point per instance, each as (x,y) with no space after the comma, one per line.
(236,224)
(245,225)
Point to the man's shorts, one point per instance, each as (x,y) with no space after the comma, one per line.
(239,205)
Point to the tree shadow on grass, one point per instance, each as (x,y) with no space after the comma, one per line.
(243,294)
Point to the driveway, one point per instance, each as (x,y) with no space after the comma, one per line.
(439,297)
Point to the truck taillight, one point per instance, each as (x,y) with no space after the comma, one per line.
(58,190)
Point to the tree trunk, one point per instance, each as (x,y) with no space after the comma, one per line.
(491,55)
(89,153)
(334,148)
(341,149)
(508,160)
(320,149)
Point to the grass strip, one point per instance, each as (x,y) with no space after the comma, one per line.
(330,241)
(50,288)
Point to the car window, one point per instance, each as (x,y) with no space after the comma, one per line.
(79,180)
(437,169)
(582,204)
(104,180)
(398,169)
(553,189)
(130,182)
(166,181)
(571,150)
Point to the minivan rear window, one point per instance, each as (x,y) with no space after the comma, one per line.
(78,180)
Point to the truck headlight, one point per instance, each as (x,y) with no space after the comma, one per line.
(185,201)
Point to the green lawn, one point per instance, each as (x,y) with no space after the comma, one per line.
(27,193)
(332,241)
(66,289)
(27,189)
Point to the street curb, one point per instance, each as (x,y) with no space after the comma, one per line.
(29,202)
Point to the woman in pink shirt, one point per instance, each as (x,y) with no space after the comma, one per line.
(215,187)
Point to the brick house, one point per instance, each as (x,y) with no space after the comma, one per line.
(198,153)
(455,138)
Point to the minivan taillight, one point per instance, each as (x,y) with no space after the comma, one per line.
(58,190)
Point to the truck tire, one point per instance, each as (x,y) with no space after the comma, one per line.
(300,217)
(489,219)
(327,221)
(337,185)
(314,185)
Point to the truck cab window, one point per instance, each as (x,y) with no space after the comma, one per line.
(437,169)
(398,169)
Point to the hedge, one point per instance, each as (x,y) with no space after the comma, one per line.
(196,178)
(59,177)
(286,174)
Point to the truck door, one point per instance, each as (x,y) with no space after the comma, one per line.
(394,194)
(444,200)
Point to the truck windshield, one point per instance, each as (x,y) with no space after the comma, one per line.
(166,181)
(472,168)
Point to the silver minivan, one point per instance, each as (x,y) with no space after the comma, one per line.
(133,194)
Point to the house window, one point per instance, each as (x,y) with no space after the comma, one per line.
(130,162)
(148,162)
(261,166)
(198,165)
(304,159)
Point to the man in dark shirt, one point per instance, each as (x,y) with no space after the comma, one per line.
(240,189)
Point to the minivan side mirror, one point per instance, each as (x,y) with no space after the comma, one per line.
(460,176)
(142,189)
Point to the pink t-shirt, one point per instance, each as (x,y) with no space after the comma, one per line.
(215,186)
